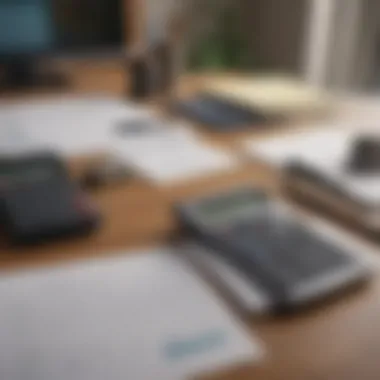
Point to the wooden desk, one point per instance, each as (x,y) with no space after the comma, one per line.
(339,340)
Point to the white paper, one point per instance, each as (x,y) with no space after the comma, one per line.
(326,149)
(68,125)
(171,156)
(144,316)
(86,125)
(13,138)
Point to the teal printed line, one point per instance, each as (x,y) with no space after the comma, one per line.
(196,345)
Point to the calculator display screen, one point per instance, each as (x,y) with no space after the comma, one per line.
(232,204)
(26,171)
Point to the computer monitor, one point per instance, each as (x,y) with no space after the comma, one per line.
(25,27)
(33,29)
(89,26)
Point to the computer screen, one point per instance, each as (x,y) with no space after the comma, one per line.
(26,27)
(33,29)
(60,26)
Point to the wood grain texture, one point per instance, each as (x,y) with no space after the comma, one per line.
(339,340)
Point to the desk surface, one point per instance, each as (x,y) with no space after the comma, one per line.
(339,340)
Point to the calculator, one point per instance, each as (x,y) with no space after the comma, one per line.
(219,115)
(272,248)
(39,201)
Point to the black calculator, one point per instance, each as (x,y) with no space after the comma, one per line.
(219,115)
(39,201)
(270,247)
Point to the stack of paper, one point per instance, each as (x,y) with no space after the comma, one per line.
(171,155)
(13,138)
(68,125)
(327,150)
(146,316)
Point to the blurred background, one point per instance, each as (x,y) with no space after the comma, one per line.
(332,43)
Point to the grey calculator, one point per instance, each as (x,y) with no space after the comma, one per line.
(291,263)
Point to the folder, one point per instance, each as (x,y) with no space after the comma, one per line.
(275,95)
